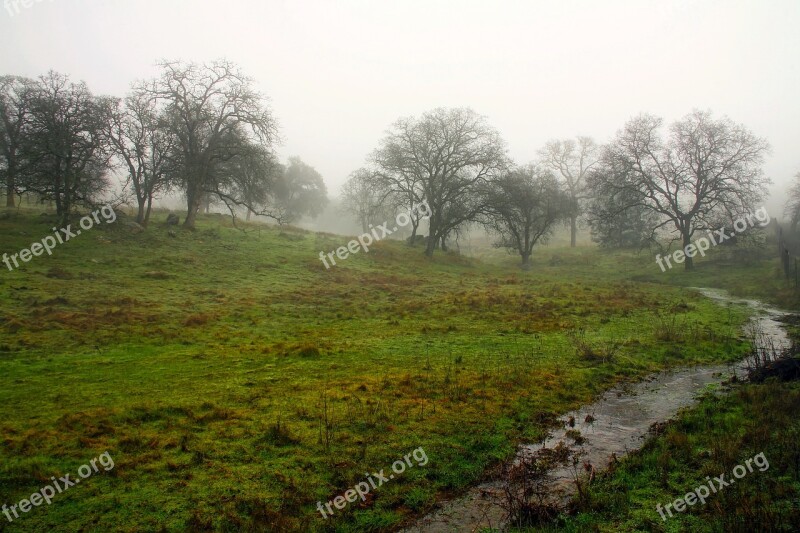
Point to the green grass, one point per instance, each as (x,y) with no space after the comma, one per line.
(708,440)
(207,363)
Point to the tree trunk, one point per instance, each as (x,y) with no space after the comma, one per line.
(526,261)
(573,231)
(11,180)
(193,201)
(688,263)
(66,203)
(414,226)
(140,211)
(248,214)
(59,209)
(147,212)
(66,207)
(10,192)
(430,246)
(433,236)
(444,243)
(57,196)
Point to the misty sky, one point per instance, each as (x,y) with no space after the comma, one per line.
(339,73)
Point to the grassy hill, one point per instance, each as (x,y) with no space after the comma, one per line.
(236,382)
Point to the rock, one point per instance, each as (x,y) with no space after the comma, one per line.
(173,219)
(134,227)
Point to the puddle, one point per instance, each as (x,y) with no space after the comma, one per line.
(618,423)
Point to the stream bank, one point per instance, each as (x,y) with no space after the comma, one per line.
(609,428)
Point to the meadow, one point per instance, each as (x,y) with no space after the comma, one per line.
(704,442)
(236,382)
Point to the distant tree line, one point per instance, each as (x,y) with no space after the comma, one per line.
(643,185)
(203,131)
(199,130)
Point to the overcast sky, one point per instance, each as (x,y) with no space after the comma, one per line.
(339,73)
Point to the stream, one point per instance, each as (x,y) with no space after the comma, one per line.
(614,425)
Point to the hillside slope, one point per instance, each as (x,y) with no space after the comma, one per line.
(236,382)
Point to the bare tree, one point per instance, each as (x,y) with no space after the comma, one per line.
(707,168)
(66,146)
(301,190)
(15,100)
(256,176)
(256,181)
(573,160)
(443,158)
(618,218)
(396,192)
(523,206)
(215,115)
(143,146)
(363,198)
(397,185)
(792,209)
(248,180)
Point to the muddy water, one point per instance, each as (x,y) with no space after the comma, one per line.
(614,425)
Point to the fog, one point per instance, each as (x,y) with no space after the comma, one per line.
(338,74)
(271,251)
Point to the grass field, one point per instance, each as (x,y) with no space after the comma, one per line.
(705,442)
(236,382)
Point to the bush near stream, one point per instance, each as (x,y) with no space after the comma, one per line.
(708,440)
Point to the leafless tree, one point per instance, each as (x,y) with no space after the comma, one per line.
(573,160)
(257,176)
(792,209)
(397,186)
(247,180)
(443,158)
(143,146)
(66,147)
(15,100)
(523,206)
(705,169)
(301,190)
(256,181)
(362,197)
(215,114)
(618,218)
